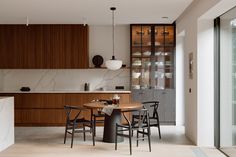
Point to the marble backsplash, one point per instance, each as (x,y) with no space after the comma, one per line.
(63,79)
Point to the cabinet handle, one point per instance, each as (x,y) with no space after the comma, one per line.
(140,92)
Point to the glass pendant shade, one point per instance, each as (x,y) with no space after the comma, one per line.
(113,64)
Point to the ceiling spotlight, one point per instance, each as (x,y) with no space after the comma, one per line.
(165,17)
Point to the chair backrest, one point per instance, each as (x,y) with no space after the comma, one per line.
(152,106)
(70,109)
(143,117)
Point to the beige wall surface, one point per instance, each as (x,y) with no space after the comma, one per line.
(197,23)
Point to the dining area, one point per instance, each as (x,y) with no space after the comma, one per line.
(119,120)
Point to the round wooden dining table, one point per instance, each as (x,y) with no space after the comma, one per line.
(111,120)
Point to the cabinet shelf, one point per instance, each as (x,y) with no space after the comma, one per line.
(141,46)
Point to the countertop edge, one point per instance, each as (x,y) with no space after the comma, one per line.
(65,92)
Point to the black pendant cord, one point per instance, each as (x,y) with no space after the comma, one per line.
(113,33)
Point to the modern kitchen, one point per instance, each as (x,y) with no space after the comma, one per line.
(104,79)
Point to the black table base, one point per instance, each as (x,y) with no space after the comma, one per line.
(109,132)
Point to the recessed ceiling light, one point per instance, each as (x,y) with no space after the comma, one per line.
(165,17)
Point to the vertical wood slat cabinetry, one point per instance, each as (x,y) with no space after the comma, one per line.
(46,109)
(43,46)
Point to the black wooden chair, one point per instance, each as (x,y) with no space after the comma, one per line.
(152,107)
(76,124)
(142,127)
(97,118)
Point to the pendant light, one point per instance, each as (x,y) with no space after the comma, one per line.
(113,63)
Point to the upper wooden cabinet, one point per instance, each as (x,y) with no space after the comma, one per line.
(43,47)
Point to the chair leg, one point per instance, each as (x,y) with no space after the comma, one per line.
(84,132)
(72,137)
(132,123)
(93,133)
(65,134)
(130,142)
(158,125)
(137,138)
(159,130)
(149,139)
(94,124)
(116,138)
(143,134)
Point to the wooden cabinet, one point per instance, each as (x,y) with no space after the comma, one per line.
(153,67)
(46,109)
(166,97)
(43,47)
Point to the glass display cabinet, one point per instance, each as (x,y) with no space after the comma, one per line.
(153,67)
(152,56)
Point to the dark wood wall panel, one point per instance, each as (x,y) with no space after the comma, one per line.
(46,109)
(43,46)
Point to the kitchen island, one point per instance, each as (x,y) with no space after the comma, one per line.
(6,122)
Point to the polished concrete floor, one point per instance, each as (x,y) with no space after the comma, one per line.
(231,151)
(48,142)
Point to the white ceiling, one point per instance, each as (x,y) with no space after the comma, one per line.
(95,12)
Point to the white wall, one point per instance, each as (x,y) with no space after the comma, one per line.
(100,42)
(205,83)
(199,110)
(180,108)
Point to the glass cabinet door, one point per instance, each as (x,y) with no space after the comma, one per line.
(159,58)
(152,56)
(136,56)
(141,52)
(169,56)
(164,57)
(146,54)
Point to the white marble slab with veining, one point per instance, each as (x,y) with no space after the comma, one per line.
(7,137)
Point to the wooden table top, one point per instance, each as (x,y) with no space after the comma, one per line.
(121,106)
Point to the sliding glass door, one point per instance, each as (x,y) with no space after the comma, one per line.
(228,82)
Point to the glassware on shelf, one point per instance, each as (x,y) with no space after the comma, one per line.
(157,43)
(158,53)
(168,75)
(137,53)
(147,63)
(140,32)
(147,53)
(159,74)
(136,74)
(137,63)
(159,64)
(168,63)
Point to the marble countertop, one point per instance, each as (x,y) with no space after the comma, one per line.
(67,91)
(4,97)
